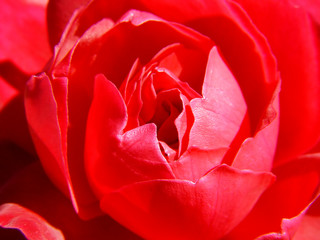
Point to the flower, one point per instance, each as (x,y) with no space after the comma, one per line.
(170,119)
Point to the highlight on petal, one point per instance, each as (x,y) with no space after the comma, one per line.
(219,114)
(180,209)
(29,223)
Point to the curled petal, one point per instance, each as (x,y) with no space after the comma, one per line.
(31,224)
(114,159)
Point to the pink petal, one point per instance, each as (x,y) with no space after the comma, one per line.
(24,35)
(32,225)
(177,209)
(114,159)
(219,114)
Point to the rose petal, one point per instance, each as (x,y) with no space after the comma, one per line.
(31,188)
(23,35)
(257,153)
(297,183)
(249,57)
(177,209)
(219,114)
(195,163)
(58,14)
(306,225)
(311,6)
(292,38)
(32,225)
(42,116)
(103,37)
(114,159)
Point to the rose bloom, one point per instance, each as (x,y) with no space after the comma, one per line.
(160,119)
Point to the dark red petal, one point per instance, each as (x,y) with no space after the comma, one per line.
(31,188)
(31,224)
(24,35)
(297,184)
(12,160)
(291,35)
(114,159)
(7,93)
(176,209)
(219,114)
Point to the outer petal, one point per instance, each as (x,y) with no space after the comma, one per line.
(297,184)
(291,35)
(309,226)
(42,116)
(304,226)
(177,209)
(32,225)
(31,188)
(23,34)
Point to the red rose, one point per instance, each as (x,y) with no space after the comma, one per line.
(169,118)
